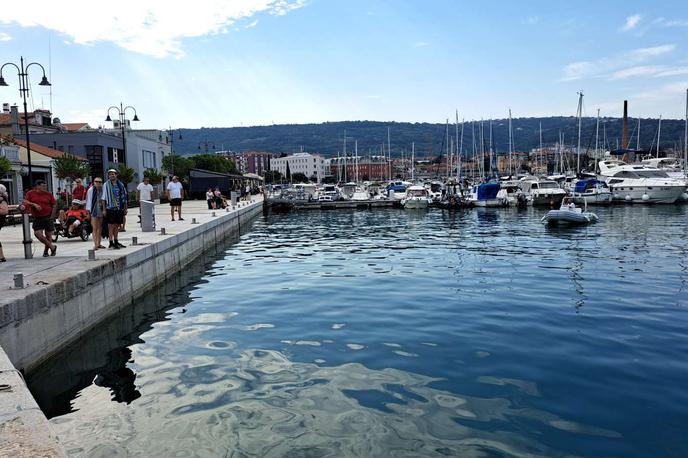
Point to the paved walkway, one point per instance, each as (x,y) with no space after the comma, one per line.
(36,270)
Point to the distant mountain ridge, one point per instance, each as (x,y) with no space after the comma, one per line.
(328,138)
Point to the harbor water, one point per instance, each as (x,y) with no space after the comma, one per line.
(397,333)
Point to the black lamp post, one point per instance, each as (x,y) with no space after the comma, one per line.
(23,74)
(170,133)
(206,144)
(121,111)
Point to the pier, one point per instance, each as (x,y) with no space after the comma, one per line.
(57,299)
(286,204)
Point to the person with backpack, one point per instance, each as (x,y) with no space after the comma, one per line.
(114,205)
(94,196)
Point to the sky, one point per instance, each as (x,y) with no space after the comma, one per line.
(224,63)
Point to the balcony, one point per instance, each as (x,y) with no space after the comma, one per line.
(10,152)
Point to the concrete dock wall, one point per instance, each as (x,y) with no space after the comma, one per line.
(41,323)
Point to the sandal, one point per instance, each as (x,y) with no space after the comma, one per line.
(3,260)
(45,252)
(53,250)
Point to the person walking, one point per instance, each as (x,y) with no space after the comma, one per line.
(79,191)
(42,205)
(114,204)
(175,194)
(144,191)
(4,210)
(94,196)
(210,199)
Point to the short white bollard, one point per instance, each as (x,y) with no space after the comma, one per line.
(19,281)
(193,221)
(214,214)
(134,240)
(162,231)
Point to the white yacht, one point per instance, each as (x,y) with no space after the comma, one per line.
(396,190)
(486,195)
(591,191)
(360,194)
(511,191)
(417,196)
(542,192)
(640,183)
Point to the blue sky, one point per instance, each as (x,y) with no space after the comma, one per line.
(250,62)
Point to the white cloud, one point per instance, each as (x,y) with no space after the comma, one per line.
(608,66)
(4,37)
(664,22)
(153,27)
(421,44)
(251,25)
(641,70)
(532,20)
(672,91)
(631,22)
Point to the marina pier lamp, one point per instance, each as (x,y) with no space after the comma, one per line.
(23,73)
(170,134)
(206,144)
(121,112)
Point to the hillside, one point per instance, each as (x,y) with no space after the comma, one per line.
(327,138)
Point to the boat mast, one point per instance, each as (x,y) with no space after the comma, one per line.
(511,142)
(345,160)
(389,151)
(580,121)
(413,161)
(685,138)
(659,134)
(458,171)
(542,162)
(597,136)
(446,140)
(356,159)
(490,147)
(637,141)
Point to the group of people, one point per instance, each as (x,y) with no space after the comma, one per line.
(215,199)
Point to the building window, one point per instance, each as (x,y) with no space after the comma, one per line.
(149,159)
(70,149)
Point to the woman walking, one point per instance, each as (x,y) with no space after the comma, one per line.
(43,209)
(93,198)
(4,209)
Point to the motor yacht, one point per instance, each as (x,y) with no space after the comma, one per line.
(542,192)
(639,183)
(591,191)
(417,196)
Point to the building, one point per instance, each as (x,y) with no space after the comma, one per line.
(13,123)
(375,168)
(311,165)
(255,162)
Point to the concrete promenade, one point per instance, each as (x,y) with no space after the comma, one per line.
(66,295)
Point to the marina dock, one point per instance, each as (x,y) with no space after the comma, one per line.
(64,296)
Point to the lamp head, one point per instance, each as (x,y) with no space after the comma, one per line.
(108,119)
(44,82)
(136,118)
(2,82)
(180,136)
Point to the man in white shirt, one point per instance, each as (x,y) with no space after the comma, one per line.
(175,194)
(145,190)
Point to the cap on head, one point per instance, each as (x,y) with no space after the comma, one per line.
(112,171)
(76,202)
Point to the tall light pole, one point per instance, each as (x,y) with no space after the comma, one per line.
(23,74)
(170,133)
(206,144)
(122,111)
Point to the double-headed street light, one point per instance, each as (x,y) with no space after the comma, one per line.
(170,133)
(206,144)
(23,74)
(121,111)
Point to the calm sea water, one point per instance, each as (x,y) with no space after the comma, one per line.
(392,333)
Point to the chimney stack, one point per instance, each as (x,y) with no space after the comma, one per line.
(5,107)
(14,116)
(624,137)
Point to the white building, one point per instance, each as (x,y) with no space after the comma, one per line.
(306,163)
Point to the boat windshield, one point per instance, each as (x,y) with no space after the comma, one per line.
(652,174)
(418,192)
(548,185)
(626,174)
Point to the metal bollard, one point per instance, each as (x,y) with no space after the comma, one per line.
(193,221)
(19,281)
(134,240)
(91,255)
(227,209)
(214,214)
(162,231)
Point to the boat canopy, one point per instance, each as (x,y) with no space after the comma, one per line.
(488,191)
(582,185)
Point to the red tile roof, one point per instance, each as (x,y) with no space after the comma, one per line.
(74,126)
(44,150)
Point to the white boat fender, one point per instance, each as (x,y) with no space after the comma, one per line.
(628,198)
(645,197)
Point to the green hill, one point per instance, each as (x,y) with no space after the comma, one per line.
(328,138)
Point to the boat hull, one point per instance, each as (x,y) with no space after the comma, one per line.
(647,194)
(416,203)
(547,200)
(554,217)
(604,198)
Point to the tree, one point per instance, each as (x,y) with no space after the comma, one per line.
(69,167)
(272,176)
(299,177)
(177,165)
(328,180)
(313,179)
(214,163)
(153,175)
(126,174)
(5,166)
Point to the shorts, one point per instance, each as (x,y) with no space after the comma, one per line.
(43,224)
(114,216)
(73,220)
(175,202)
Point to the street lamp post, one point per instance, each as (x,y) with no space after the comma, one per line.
(205,143)
(23,74)
(170,133)
(121,111)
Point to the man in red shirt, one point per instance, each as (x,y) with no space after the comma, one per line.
(42,206)
(79,191)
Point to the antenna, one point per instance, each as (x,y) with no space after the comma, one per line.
(50,70)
